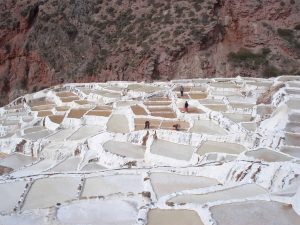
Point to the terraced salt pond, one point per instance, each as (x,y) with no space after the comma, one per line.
(49,191)
(174,217)
(255,212)
(103,186)
(16,161)
(110,212)
(70,164)
(207,127)
(10,194)
(167,183)
(85,132)
(125,149)
(172,150)
(221,147)
(268,155)
(118,123)
(239,192)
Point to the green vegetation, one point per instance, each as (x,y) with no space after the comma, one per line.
(289,36)
(245,58)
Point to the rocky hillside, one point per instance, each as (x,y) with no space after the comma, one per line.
(47,42)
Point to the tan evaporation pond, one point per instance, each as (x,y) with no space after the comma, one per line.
(62,108)
(207,127)
(240,192)
(172,150)
(293,151)
(255,212)
(44,113)
(138,110)
(77,113)
(65,94)
(40,102)
(216,107)
(168,183)
(42,107)
(10,194)
(173,217)
(125,149)
(292,139)
(143,88)
(49,191)
(293,127)
(222,147)
(268,155)
(168,125)
(69,99)
(104,113)
(139,123)
(237,117)
(102,186)
(16,161)
(198,95)
(82,102)
(118,123)
(57,118)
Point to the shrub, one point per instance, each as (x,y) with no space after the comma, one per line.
(270,71)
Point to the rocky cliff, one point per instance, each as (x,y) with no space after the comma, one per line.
(47,42)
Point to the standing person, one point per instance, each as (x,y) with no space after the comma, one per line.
(147,124)
(181,90)
(186,106)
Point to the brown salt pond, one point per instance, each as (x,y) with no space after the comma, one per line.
(69,99)
(222,147)
(49,191)
(268,155)
(207,127)
(168,183)
(65,94)
(138,110)
(172,150)
(104,113)
(62,108)
(255,212)
(77,113)
(173,217)
(57,118)
(198,95)
(125,149)
(168,125)
(44,113)
(139,123)
(239,192)
(118,123)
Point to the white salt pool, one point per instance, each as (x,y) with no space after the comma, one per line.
(49,191)
(173,217)
(85,132)
(172,150)
(239,192)
(70,164)
(118,123)
(95,212)
(207,127)
(268,155)
(17,160)
(222,147)
(255,212)
(10,194)
(125,149)
(167,183)
(103,186)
